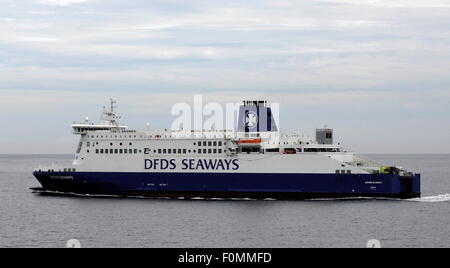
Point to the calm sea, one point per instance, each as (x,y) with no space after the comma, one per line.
(32,220)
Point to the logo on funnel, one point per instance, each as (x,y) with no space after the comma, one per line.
(251,119)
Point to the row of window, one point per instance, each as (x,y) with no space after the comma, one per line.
(88,144)
(117,151)
(112,136)
(184,151)
(321,150)
(343,171)
(305,150)
(209,143)
(204,144)
(159,151)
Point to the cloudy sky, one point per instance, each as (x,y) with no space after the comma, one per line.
(377,71)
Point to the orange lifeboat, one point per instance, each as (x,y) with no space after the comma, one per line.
(253,141)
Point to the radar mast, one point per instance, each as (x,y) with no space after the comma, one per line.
(110,115)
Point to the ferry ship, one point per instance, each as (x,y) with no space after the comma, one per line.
(253,161)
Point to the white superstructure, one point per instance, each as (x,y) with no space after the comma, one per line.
(111,147)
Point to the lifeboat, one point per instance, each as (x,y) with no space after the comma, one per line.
(252,141)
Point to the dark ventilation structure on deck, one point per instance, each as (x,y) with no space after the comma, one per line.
(324,136)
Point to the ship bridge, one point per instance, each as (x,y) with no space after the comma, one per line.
(83,128)
(110,122)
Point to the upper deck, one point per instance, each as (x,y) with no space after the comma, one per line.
(264,139)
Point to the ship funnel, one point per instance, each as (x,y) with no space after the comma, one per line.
(256,116)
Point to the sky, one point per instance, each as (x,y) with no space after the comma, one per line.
(377,71)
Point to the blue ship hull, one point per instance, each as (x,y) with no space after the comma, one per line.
(232,185)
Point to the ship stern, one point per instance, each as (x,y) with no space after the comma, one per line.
(409,186)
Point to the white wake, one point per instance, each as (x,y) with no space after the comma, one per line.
(432,199)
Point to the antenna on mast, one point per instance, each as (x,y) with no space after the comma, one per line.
(110,116)
(113,105)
